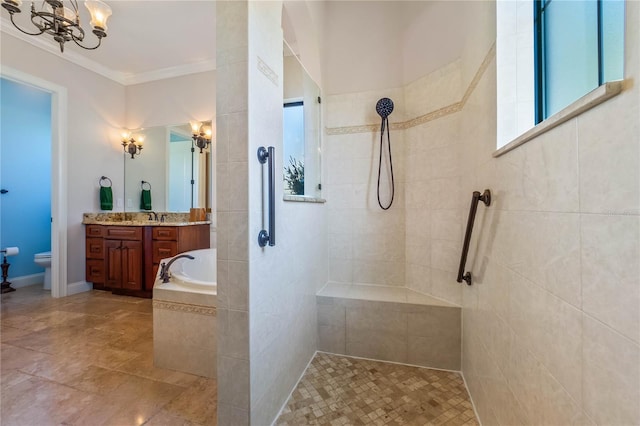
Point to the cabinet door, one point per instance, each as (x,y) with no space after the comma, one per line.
(132,265)
(113,263)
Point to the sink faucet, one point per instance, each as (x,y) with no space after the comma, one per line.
(153,216)
(164,267)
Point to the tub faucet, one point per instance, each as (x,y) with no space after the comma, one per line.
(164,267)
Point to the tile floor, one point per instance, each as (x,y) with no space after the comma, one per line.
(87,359)
(339,390)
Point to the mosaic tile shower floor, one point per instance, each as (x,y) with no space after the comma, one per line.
(339,390)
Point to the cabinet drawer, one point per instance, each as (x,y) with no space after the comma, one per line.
(95,231)
(95,271)
(95,248)
(164,249)
(165,233)
(123,232)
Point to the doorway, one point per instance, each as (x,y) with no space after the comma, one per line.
(25,179)
(58,174)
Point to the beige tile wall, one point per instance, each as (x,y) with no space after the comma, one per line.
(267,320)
(552,323)
(284,278)
(551,327)
(417,242)
(232,213)
(366,244)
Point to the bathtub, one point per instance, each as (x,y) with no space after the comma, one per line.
(197,275)
(186,306)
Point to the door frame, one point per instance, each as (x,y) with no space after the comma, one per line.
(59,108)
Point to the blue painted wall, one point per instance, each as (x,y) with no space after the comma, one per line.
(25,170)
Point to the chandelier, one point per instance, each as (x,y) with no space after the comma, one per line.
(61,22)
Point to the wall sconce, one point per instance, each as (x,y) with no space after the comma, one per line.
(201,135)
(131,145)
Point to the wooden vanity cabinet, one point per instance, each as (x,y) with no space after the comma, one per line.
(125,259)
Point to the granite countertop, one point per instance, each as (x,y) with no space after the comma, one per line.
(139,219)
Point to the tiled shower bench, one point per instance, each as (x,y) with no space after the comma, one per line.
(389,323)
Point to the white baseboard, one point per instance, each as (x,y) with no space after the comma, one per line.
(78,287)
(27,280)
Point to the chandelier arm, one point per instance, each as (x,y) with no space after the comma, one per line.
(80,36)
(74,4)
(75,40)
(42,29)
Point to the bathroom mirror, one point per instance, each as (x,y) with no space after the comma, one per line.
(179,177)
(301,128)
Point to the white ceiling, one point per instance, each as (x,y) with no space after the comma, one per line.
(390,41)
(146,40)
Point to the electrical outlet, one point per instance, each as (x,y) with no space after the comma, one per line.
(119,202)
(129,202)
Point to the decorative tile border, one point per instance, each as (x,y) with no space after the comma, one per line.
(184,307)
(430,116)
(433,115)
(267,71)
(491,54)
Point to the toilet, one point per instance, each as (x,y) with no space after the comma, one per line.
(44,260)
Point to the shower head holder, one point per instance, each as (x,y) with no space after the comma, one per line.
(384,107)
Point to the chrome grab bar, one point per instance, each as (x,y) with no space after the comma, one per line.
(485,197)
(269,156)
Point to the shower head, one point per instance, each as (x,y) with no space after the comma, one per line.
(384,107)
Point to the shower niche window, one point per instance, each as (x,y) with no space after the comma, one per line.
(301,129)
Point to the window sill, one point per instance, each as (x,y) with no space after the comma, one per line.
(304,199)
(585,103)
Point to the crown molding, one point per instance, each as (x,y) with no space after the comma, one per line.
(47,45)
(169,72)
(125,79)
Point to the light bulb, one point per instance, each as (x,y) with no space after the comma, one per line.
(100,12)
(195,126)
(68,14)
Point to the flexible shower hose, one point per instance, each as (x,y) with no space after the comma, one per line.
(384,107)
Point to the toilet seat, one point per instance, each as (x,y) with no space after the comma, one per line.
(43,255)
